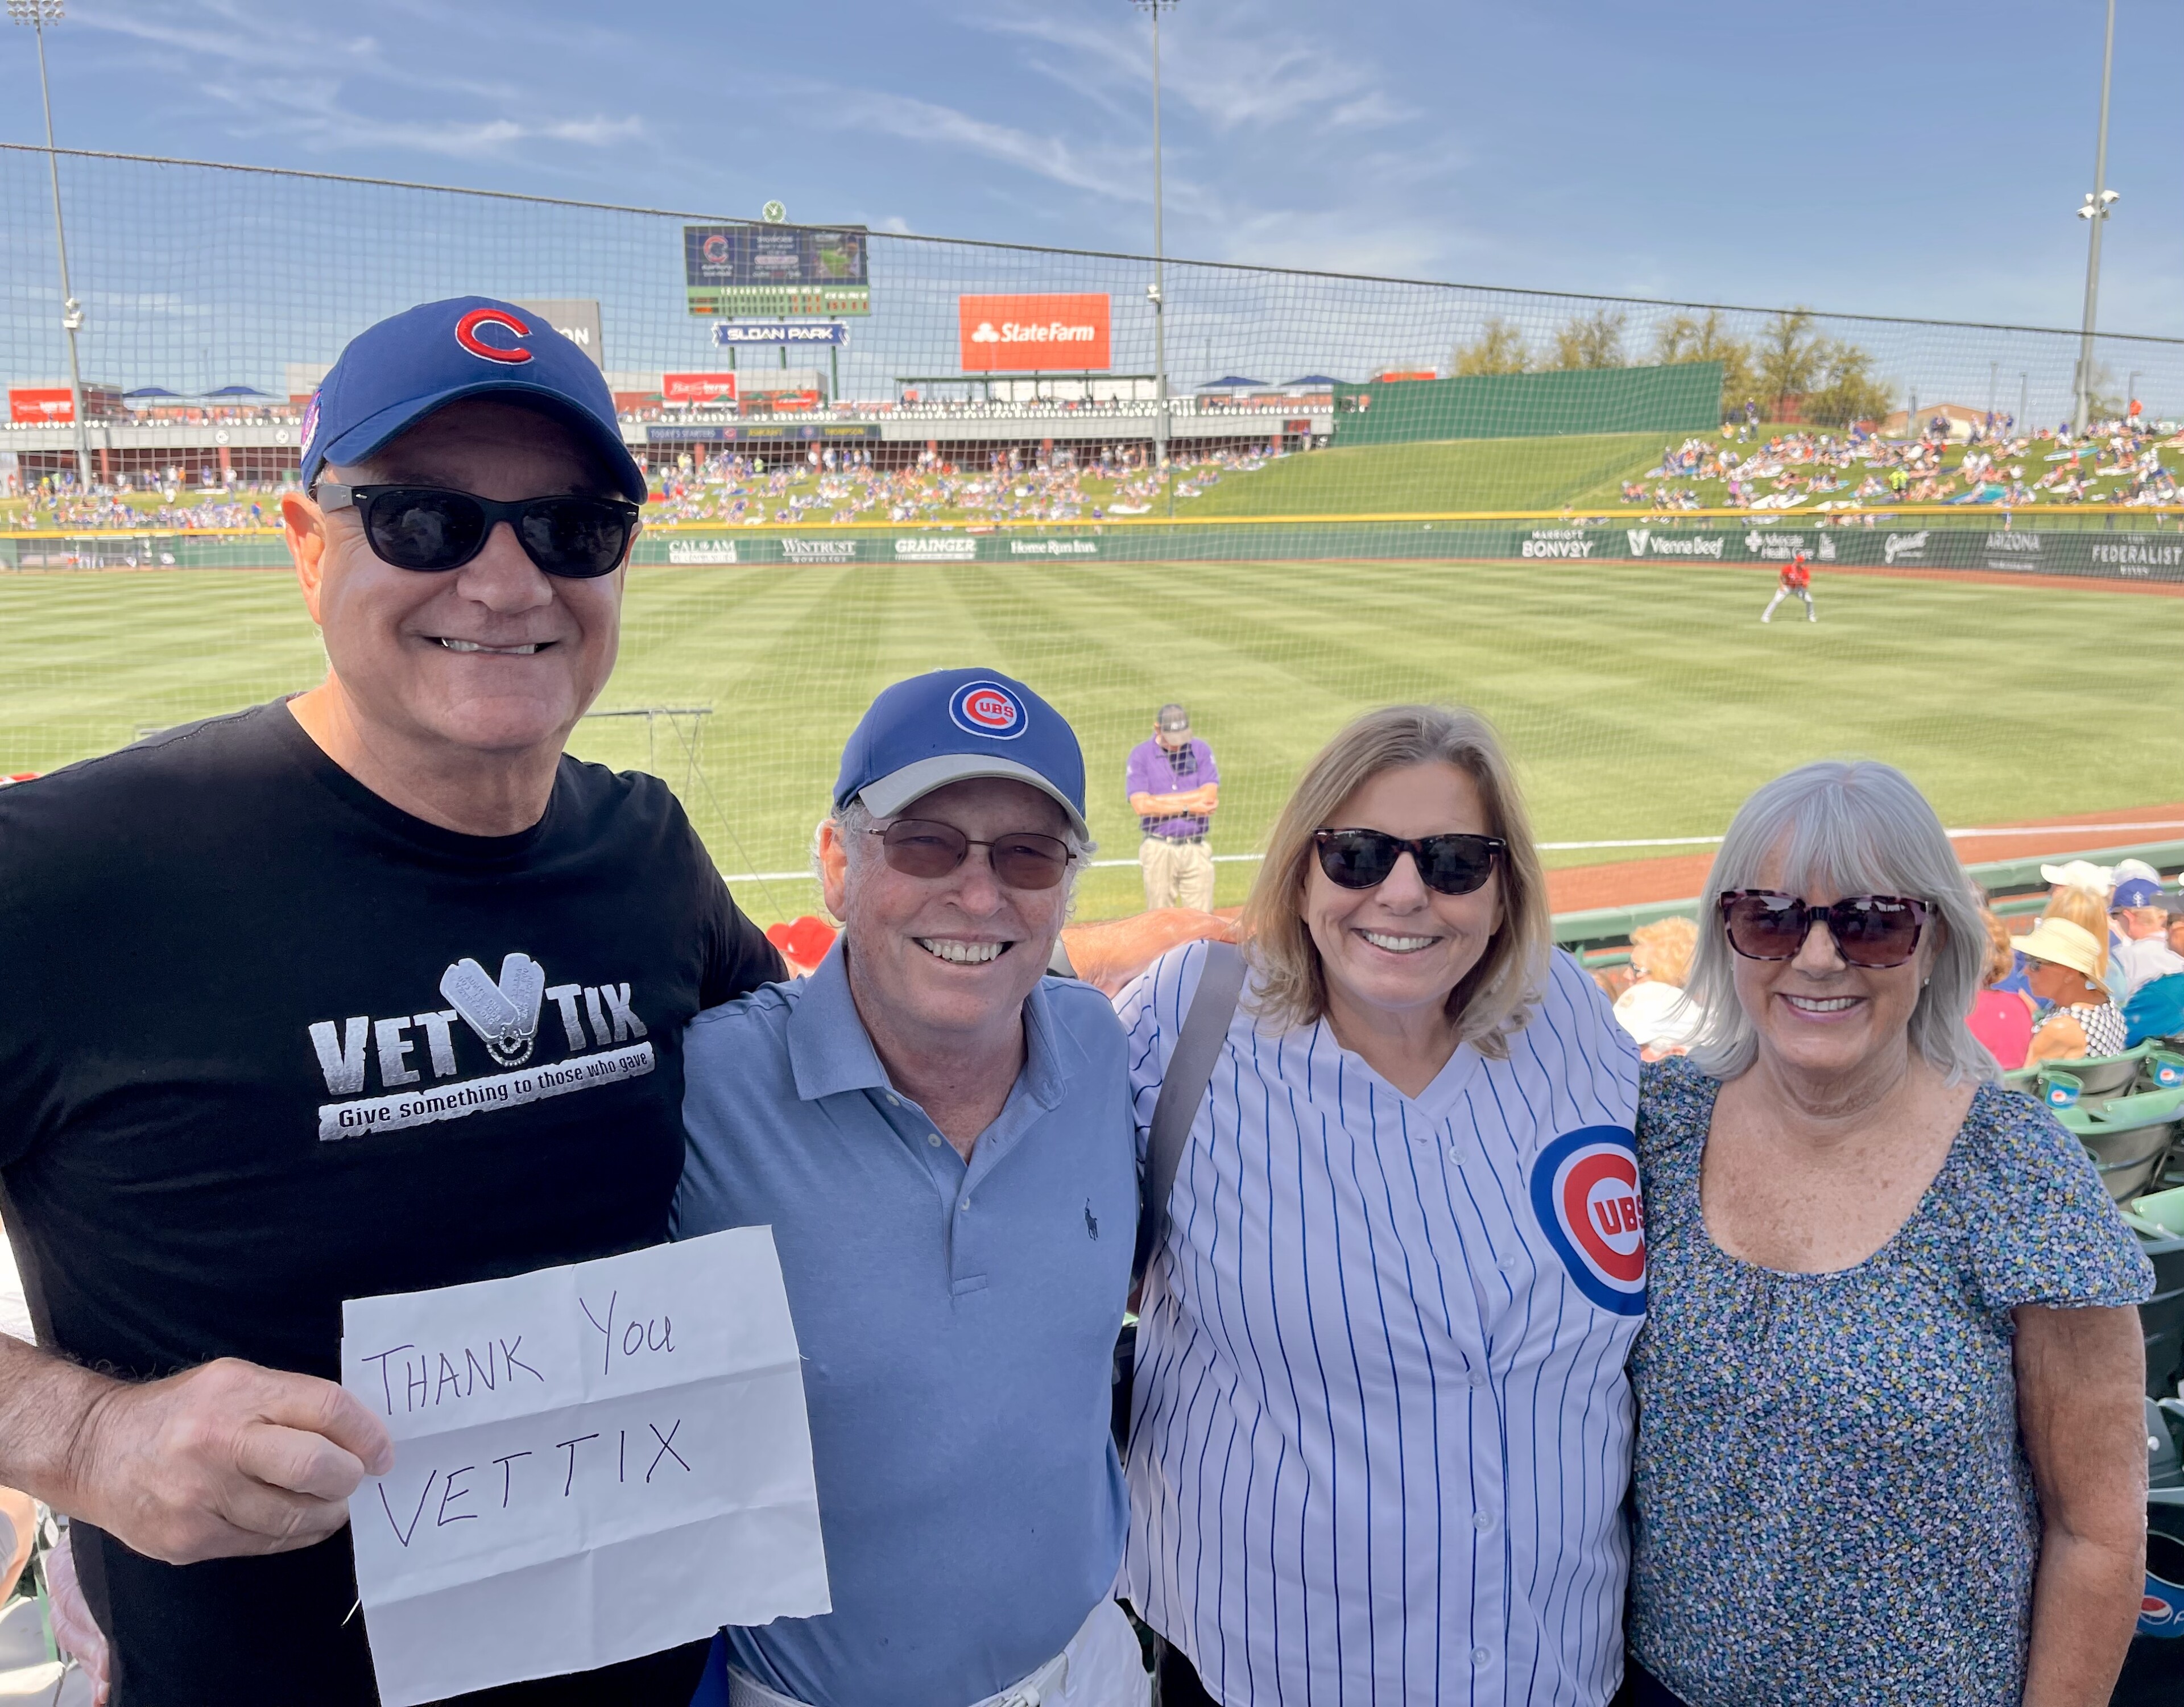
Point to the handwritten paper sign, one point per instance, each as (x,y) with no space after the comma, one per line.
(591,1463)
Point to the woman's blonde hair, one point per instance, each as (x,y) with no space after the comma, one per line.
(1494,999)
(2001,952)
(1668,945)
(2088,910)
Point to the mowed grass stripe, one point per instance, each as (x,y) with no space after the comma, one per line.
(1640,700)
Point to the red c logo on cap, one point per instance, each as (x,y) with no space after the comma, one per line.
(466,334)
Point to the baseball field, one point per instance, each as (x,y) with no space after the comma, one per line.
(1643,701)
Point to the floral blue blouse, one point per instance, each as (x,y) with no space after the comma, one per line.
(1833,1507)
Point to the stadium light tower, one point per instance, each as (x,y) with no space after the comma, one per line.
(37,14)
(2094,211)
(1156,292)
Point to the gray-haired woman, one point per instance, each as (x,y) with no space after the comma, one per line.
(1889,1445)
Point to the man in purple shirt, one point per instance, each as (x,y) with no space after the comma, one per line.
(1174,788)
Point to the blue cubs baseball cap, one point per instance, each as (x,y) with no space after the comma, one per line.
(2134,891)
(950,725)
(394,374)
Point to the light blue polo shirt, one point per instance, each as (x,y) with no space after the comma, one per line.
(957,1323)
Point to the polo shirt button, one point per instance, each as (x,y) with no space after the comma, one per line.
(963,1208)
(1481,1522)
(894,1101)
(1479,1656)
(934,1139)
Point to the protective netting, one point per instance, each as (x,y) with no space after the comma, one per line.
(968,471)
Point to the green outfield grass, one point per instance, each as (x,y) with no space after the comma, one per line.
(1461,474)
(1641,699)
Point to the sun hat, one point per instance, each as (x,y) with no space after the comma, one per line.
(2080,873)
(1657,1014)
(2061,943)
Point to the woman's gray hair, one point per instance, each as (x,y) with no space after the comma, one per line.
(1855,826)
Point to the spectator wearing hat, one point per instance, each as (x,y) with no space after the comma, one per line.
(2156,1008)
(2139,917)
(2066,966)
(1175,787)
(1655,1009)
(306,935)
(942,1140)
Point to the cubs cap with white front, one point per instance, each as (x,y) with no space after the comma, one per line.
(394,374)
(948,726)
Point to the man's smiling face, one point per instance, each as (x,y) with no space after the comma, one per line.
(496,655)
(954,955)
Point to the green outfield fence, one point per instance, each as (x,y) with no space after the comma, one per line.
(2087,554)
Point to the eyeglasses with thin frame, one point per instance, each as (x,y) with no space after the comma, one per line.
(1020,859)
(1872,931)
(434,528)
(1452,864)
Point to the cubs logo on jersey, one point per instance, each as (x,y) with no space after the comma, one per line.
(987,708)
(1584,1191)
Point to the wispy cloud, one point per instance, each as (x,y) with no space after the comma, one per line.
(328,89)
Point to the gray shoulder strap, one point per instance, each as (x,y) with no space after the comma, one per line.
(1183,1087)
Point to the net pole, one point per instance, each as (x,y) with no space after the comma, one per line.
(2096,211)
(71,315)
(1159,291)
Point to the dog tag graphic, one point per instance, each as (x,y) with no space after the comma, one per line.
(504,1014)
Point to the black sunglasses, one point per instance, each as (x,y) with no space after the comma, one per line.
(1021,859)
(1448,865)
(1873,931)
(432,528)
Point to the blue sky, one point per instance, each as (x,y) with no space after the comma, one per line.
(1858,157)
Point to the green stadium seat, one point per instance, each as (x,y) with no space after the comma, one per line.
(2130,1138)
(2159,1220)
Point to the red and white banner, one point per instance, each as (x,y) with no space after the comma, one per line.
(37,403)
(1034,334)
(697,387)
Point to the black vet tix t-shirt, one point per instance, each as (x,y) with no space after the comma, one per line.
(268,1042)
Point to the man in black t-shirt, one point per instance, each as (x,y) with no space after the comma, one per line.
(369,991)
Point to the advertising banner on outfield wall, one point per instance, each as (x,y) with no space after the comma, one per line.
(1033,334)
(2117,559)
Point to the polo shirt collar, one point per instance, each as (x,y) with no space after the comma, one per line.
(830,1052)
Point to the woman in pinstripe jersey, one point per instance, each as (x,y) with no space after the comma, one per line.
(1381,1432)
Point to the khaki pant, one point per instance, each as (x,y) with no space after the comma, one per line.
(1177,873)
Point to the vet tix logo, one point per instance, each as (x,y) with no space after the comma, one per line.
(496,1017)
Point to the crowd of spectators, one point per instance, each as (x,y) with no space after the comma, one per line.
(842,483)
(2116,462)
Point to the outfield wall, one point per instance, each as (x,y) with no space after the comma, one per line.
(1682,398)
(2080,553)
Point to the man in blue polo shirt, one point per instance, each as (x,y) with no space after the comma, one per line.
(941,1139)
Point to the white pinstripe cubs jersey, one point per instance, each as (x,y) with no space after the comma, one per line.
(1381,1430)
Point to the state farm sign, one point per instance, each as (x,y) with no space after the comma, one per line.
(1033,334)
(697,387)
(30,404)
